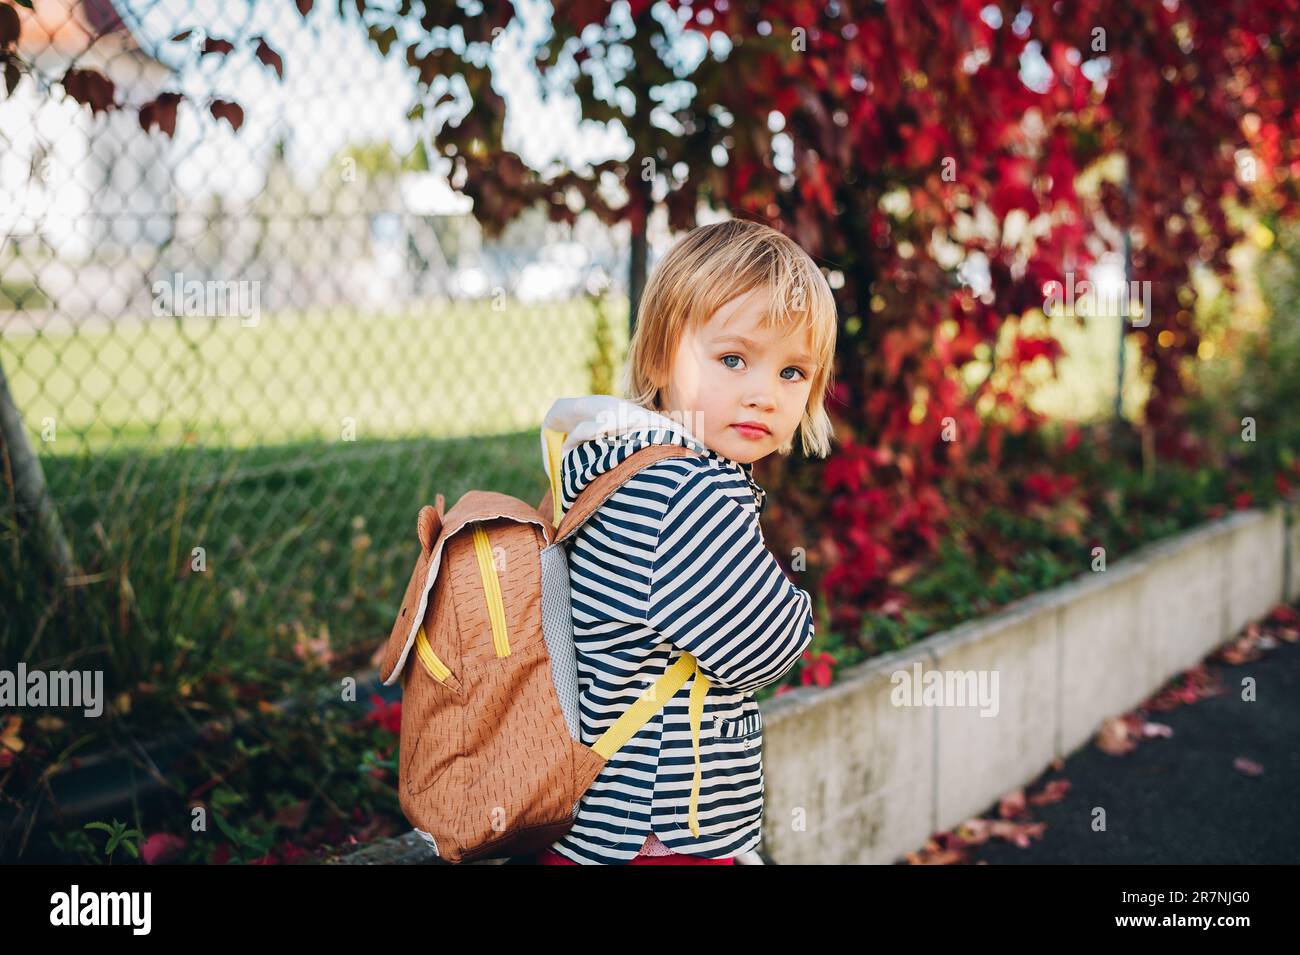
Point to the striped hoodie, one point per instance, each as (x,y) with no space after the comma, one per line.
(673,561)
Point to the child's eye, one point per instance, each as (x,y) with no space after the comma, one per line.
(801,377)
(724,358)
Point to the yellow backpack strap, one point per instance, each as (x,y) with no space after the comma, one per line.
(651,702)
(554,442)
(698,689)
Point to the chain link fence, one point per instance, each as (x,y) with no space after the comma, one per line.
(234,364)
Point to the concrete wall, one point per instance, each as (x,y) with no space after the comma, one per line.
(853,778)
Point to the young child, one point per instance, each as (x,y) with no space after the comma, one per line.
(732,354)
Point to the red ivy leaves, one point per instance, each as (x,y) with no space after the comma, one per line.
(387,715)
(1025,350)
(232,113)
(817,670)
(160,112)
(90,88)
(216,45)
(932,111)
(10,26)
(161,847)
(269,57)
(1048,488)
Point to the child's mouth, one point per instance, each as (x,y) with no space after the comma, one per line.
(749,431)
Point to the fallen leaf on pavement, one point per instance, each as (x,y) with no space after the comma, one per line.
(1019,833)
(935,854)
(1012,804)
(1242,650)
(1114,737)
(943,857)
(1196,683)
(1053,792)
(1247,766)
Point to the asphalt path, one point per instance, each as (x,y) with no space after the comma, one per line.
(1185,798)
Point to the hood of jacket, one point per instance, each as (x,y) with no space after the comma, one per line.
(580,437)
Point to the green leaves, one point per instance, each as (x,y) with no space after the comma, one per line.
(118,835)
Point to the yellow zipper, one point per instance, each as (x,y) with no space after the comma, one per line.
(496,611)
(492,591)
(437,669)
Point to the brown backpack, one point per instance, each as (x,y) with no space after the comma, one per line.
(492,758)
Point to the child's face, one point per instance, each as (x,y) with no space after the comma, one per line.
(719,381)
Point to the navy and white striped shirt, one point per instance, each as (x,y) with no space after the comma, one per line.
(672,561)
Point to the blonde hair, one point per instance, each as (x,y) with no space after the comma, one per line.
(710,266)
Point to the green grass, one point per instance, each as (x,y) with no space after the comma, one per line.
(173,436)
(453,370)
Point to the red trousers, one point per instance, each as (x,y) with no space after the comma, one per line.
(550,857)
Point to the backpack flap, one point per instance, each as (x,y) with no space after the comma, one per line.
(429,526)
(435,530)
